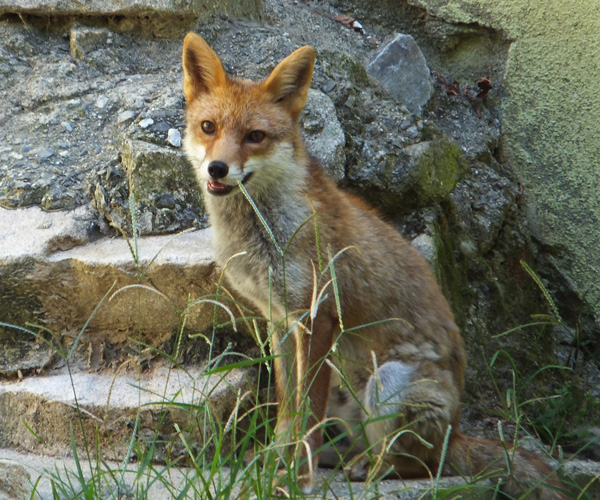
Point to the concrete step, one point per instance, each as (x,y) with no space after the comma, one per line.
(57,272)
(108,410)
(109,306)
(20,471)
(25,469)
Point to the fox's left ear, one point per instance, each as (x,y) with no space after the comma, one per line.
(288,83)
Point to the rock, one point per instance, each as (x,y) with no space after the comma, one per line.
(477,132)
(125,116)
(161,127)
(154,171)
(67,126)
(483,201)
(585,473)
(402,70)
(425,245)
(57,199)
(101,103)
(23,356)
(146,122)
(412,132)
(83,39)
(45,153)
(323,133)
(174,137)
(416,176)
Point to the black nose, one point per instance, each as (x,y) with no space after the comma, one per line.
(217,169)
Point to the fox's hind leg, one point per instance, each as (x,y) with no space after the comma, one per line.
(408,410)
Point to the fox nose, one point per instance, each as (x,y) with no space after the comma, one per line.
(217,169)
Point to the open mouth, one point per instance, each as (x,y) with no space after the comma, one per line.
(220,189)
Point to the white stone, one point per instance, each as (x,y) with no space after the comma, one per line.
(101,102)
(125,116)
(146,122)
(174,137)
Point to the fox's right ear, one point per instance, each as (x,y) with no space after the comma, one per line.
(202,68)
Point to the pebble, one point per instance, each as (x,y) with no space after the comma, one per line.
(101,102)
(412,132)
(67,126)
(146,122)
(329,86)
(166,201)
(161,127)
(174,137)
(125,116)
(45,153)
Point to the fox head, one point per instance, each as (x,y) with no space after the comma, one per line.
(244,131)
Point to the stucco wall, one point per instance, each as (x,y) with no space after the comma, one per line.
(551,121)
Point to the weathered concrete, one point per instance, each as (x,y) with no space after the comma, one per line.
(133,8)
(45,279)
(334,484)
(33,233)
(105,406)
(14,480)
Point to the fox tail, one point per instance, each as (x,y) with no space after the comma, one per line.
(524,475)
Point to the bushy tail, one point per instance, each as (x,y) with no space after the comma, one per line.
(523,474)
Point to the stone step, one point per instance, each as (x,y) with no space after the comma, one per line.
(39,412)
(19,471)
(55,271)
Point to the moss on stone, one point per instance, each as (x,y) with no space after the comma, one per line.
(352,69)
(438,170)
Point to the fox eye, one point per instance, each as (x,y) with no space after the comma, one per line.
(208,127)
(256,136)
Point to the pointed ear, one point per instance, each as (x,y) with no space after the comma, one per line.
(288,83)
(202,68)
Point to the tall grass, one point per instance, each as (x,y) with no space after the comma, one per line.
(237,456)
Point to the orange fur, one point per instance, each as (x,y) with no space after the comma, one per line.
(398,378)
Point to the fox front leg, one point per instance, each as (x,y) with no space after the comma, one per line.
(284,349)
(313,375)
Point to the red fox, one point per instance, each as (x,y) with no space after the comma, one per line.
(377,344)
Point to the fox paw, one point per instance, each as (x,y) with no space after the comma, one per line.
(305,482)
(358,470)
